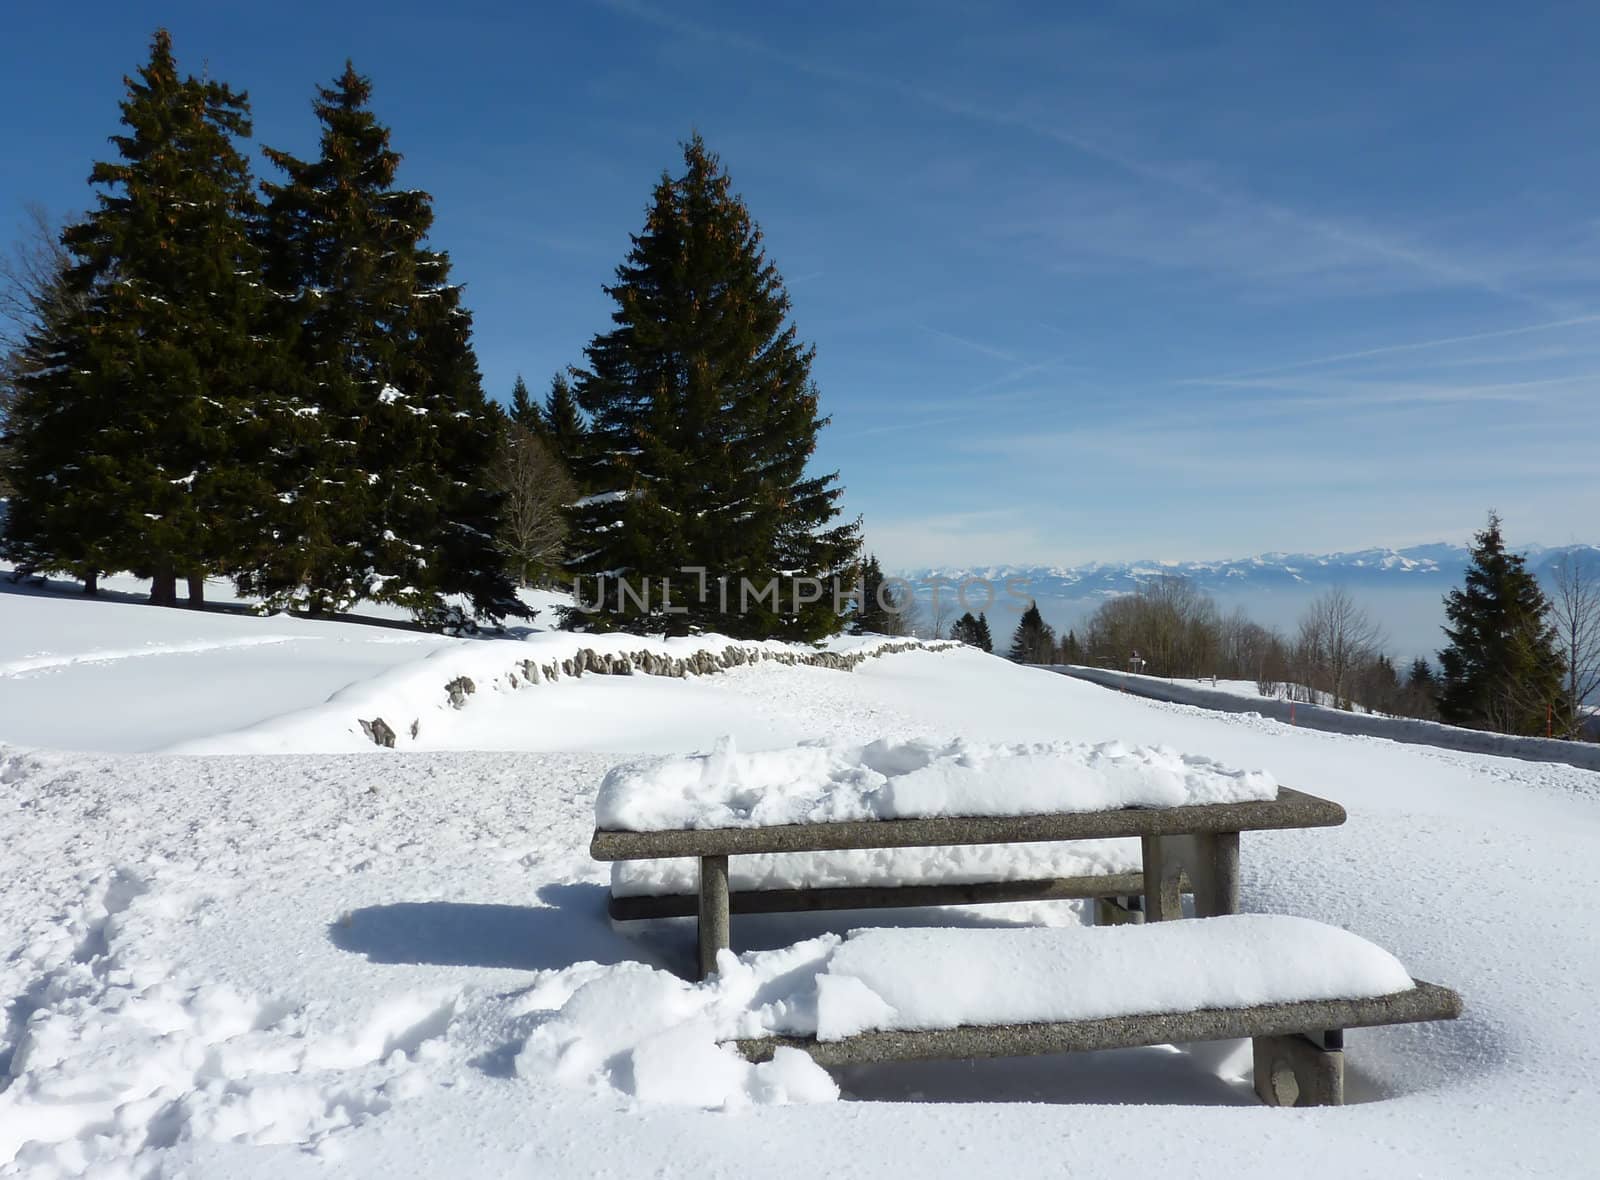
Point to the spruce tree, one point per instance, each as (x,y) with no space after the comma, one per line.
(562,422)
(985,640)
(389,440)
(871,613)
(1034,641)
(702,420)
(523,412)
(965,630)
(151,430)
(1501,670)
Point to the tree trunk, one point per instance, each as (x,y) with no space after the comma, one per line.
(164,588)
(197,592)
(91,582)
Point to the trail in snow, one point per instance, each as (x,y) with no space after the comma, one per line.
(49,661)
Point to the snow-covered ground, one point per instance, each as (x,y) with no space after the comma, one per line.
(367,963)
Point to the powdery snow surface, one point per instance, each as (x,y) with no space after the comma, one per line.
(910,779)
(878,979)
(370,964)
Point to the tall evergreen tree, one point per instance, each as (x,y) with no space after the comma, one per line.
(1034,641)
(985,640)
(871,613)
(150,432)
(1501,670)
(390,437)
(703,417)
(562,423)
(523,410)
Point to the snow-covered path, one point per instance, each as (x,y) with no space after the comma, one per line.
(267,965)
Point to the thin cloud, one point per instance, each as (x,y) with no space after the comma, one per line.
(1378,245)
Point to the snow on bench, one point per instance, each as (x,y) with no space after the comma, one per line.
(892,994)
(764,1026)
(899,980)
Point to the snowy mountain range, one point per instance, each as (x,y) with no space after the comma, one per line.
(1402,588)
(1438,566)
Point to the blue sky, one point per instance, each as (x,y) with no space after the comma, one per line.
(1086,282)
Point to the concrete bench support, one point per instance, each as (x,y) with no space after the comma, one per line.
(1207,861)
(1296,1071)
(713,914)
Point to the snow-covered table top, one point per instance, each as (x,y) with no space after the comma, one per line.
(820,783)
(918,794)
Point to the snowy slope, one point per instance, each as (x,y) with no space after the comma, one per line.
(335,964)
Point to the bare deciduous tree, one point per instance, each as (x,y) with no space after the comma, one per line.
(536,488)
(1575,614)
(1336,638)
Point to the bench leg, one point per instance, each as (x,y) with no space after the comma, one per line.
(712,919)
(1296,1071)
(1112,911)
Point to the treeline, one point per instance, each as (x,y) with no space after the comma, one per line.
(276,383)
(1516,659)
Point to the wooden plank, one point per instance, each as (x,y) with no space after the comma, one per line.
(785,901)
(1426,1001)
(1291,809)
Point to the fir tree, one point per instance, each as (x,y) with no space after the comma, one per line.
(985,640)
(150,428)
(562,423)
(1034,641)
(965,630)
(702,419)
(1420,676)
(387,446)
(523,412)
(1071,649)
(871,613)
(1501,670)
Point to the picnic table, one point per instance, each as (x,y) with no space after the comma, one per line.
(1195,845)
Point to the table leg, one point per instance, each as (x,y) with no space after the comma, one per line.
(1215,874)
(1162,900)
(712,921)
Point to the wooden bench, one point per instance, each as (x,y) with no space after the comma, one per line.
(1193,848)
(1298,1048)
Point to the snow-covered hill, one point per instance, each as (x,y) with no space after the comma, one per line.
(360,964)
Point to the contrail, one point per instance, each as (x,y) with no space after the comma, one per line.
(1391,349)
